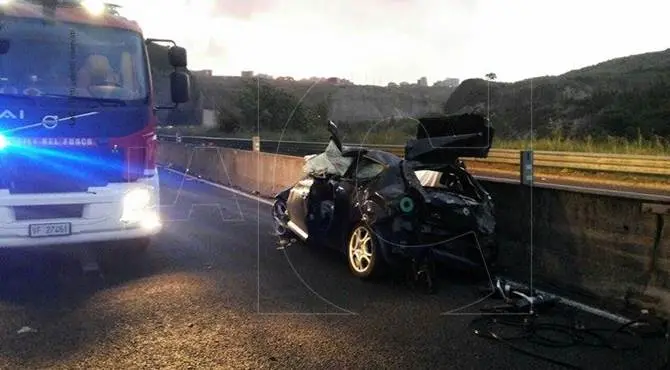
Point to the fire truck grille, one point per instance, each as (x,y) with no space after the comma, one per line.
(61,171)
(45,212)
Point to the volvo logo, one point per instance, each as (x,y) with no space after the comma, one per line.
(50,122)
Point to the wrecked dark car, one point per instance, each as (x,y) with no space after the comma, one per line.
(382,210)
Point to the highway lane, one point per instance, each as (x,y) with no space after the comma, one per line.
(215,292)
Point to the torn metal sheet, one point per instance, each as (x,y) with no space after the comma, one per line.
(330,162)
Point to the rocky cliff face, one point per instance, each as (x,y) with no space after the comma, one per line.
(346,103)
(370,103)
(623,97)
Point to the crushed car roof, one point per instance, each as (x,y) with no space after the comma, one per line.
(376,155)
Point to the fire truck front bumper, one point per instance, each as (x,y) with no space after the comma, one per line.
(116,212)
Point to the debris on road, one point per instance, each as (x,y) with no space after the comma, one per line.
(535,319)
(26,329)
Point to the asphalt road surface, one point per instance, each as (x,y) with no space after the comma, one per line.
(215,292)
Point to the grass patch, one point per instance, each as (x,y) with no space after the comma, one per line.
(611,145)
(588,177)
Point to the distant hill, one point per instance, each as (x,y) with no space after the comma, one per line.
(624,97)
(346,103)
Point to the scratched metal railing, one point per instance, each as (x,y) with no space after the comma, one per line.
(613,163)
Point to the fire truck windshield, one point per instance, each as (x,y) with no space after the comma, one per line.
(39,57)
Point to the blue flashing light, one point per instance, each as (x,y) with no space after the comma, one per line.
(3,142)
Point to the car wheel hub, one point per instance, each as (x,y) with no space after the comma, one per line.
(360,249)
(279,211)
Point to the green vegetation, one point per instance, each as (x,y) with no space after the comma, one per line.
(614,145)
(259,104)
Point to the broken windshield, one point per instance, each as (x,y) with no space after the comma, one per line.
(330,162)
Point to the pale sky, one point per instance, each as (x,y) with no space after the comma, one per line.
(378,41)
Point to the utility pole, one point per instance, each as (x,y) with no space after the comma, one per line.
(489,77)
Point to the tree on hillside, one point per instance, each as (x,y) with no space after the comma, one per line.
(322,110)
(228,115)
(491,77)
(270,108)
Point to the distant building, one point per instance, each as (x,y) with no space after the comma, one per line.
(264,76)
(447,82)
(247,74)
(336,81)
(203,73)
(423,81)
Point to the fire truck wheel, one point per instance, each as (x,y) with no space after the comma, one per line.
(137,246)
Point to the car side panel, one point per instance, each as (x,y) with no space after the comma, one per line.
(297,203)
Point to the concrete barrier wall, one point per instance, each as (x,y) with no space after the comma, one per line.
(600,245)
(261,173)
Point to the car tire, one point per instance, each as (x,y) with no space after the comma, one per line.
(363,252)
(279,211)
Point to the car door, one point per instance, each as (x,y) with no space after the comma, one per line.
(297,205)
(364,171)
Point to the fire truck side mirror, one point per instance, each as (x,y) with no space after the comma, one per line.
(177,57)
(180,87)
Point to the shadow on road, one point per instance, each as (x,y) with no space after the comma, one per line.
(54,279)
(59,308)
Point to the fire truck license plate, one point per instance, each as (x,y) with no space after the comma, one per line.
(42,230)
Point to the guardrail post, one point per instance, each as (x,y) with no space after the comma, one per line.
(526,170)
(256,143)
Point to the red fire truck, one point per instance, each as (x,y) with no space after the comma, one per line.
(78,125)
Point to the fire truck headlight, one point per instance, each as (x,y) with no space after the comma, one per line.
(3,142)
(136,205)
(93,6)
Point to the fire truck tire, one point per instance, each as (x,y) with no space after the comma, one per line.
(137,246)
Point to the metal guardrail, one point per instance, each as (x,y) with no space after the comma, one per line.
(613,163)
